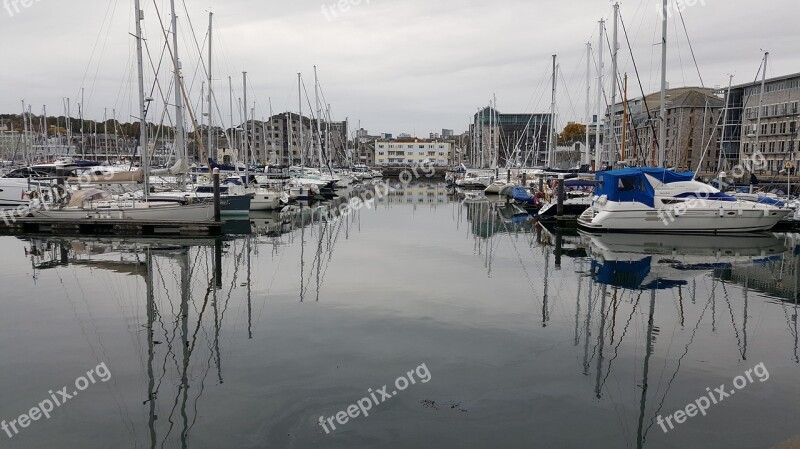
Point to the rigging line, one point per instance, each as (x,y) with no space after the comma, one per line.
(621,338)
(198,66)
(102,52)
(691,47)
(569,97)
(94,48)
(524,134)
(680,55)
(641,88)
(157,83)
(677,369)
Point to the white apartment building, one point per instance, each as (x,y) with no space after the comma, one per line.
(413,152)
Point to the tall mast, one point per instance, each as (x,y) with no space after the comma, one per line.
(25,139)
(246,140)
(587,157)
(328,151)
(143,151)
(625,116)
(105,131)
(662,137)
(80,114)
(761,104)
(210,81)
(180,142)
(271,139)
(253,128)
(232,139)
(300,118)
(551,146)
(319,117)
(612,154)
(598,148)
(44,131)
(724,125)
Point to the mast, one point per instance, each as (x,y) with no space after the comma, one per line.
(105,131)
(80,115)
(587,157)
(624,117)
(301,125)
(25,133)
(319,117)
(142,107)
(246,140)
(44,131)
(761,103)
(232,138)
(662,137)
(271,139)
(253,128)
(328,137)
(724,125)
(180,142)
(551,151)
(210,80)
(612,154)
(598,149)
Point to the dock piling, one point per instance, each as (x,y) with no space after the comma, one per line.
(217,208)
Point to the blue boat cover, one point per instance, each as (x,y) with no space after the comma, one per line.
(630,184)
(630,275)
(522,195)
(770,201)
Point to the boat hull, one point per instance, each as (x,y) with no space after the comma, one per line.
(140,211)
(703,221)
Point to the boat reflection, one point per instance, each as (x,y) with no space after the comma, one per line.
(646,261)
(627,268)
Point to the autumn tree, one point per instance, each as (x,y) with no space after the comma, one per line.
(573,132)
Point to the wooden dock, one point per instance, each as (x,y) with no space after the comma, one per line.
(106,227)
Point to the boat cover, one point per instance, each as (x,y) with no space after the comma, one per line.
(632,185)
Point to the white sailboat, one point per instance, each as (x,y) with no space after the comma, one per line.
(98,204)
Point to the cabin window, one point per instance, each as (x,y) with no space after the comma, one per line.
(627,185)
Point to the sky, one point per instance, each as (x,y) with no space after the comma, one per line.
(397,66)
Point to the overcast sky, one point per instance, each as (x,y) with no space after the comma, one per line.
(413,66)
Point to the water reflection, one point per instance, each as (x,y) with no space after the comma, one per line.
(243,342)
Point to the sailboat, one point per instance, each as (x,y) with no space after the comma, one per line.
(98,204)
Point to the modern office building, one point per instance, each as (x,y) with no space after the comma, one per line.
(507,139)
(773,132)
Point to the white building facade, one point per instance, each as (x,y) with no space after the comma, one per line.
(405,152)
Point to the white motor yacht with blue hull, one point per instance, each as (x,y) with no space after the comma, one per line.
(655,200)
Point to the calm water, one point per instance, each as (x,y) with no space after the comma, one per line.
(529,340)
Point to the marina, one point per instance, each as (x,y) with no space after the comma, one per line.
(578,226)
